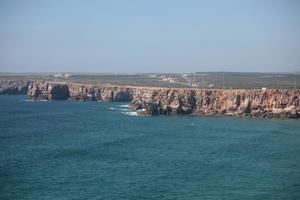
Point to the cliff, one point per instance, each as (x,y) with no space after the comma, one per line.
(252,103)
(14,87)
(71,91)
(164,101)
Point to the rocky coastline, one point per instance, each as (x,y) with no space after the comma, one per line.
(14,87)
(245,103)
(274,103)
(43,90)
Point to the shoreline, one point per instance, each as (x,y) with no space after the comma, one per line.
(255,103)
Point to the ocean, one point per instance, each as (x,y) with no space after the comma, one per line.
(59,150)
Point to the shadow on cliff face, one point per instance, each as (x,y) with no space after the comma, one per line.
(60,92)
(13,87)
(124,96)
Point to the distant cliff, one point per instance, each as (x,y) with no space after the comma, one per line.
(71,91)
(164,101)
(14,86)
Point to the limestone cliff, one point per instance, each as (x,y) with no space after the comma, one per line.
(14,86)
(252,103)
(164,101)
(71,91)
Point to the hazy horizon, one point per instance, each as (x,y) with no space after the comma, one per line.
(149,37)
(95,72)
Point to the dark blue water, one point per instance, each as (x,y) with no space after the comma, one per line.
(85,150)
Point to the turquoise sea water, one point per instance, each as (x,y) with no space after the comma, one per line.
(91,150)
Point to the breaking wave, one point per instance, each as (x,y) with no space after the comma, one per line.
(130,113)
(124,106)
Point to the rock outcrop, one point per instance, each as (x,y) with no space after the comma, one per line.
(252,103)
(42,90)
(163,101)
(14,87)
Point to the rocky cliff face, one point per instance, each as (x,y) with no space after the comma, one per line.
(252,103)
(71,91)
(163,101)
(13,87)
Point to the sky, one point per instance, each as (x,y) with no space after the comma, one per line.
(146,36)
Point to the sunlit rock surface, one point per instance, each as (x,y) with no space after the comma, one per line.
(82,92)
(252,103)
(168,101)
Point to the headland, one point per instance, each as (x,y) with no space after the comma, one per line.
(265,103)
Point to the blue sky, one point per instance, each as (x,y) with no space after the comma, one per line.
(149,36)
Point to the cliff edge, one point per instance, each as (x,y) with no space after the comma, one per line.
(251,103)
(275,103)
(14,87)
(43,90)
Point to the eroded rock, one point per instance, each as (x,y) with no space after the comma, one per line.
(165,101)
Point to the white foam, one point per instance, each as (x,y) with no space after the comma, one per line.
(124,109)
(28,100)
(112,108)
(130,113)
(35,100)
(124,106)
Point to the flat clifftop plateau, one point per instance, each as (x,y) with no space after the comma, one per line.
(275,103)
